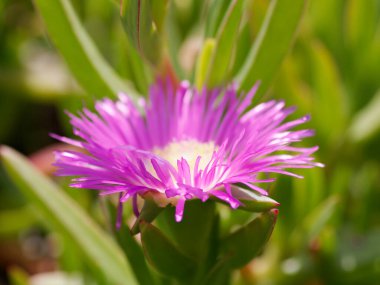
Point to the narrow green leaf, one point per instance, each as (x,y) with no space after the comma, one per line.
(217,10)
(326,83)
(138,19)
(248,241)
(203,62)
(225,42)
(366,123)
(66,216)
(272,44)
(163,255)
(86,63)
(361,22)
(319,217)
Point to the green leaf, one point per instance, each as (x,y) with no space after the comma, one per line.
(253,202)
(142,21)
(163,255)
(225,42)
(86,63)
(272,44)
(203,62)
(314,223)
(219,274)
(15,220)
(248,241)
(135,255)
(361,22)
(366,123)
(197,222)
(216,11)
(66,216)
(148,213)
(327,91)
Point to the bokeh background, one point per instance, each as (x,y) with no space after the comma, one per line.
(328,230)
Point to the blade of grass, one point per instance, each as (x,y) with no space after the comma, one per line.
(224,44)
(66,216)
(272,44)
(86,63)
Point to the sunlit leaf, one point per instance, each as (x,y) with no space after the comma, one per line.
(86,63)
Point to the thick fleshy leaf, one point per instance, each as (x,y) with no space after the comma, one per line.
(196,224)
(252,201)
(66,216)
(219,274)
(128,243)
(248,241)
(224,45)
(135,255)
(163,255)
(272,44)
(148,213)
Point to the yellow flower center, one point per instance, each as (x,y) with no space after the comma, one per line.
(189,150)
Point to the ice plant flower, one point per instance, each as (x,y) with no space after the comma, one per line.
(183,144)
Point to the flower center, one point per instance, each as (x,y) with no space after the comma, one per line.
(189,150)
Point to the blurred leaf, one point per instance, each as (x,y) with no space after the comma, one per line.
(18,276)
(203,62)
(360,22)
(309,191)
(326,19)
(217,9)
(138,21)
(163,255)
(366,123)
(327,94)
(272,44)
(15,220)
(84,60)
(248,241)
(319,217)
(63,213)
(224,44)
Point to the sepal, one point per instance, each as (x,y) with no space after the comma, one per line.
(248,241)
(164,255)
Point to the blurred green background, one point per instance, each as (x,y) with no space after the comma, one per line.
(328,230)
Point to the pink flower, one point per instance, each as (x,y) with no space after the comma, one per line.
(183,144)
